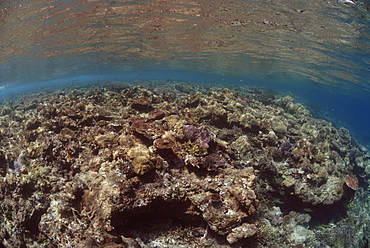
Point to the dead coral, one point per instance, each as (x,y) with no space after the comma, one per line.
(97,168)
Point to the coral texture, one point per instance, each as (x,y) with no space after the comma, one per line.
(129,166)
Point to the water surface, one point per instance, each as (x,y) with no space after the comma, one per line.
(317,50)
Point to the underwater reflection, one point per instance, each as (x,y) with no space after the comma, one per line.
(315,39)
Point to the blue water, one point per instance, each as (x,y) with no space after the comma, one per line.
(345,108)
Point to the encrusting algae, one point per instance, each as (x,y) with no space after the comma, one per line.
(134,166)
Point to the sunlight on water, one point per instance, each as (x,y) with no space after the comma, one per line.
(316,40)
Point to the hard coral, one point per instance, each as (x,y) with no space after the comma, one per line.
(140,127)
(214,161)
(286,147)
(148,130)
(140,159)
(191,132)
(156,114)
(72,112)
(351,181)
(244,231)
(203,138)
(137,119)
(199,137)
(136,102)
(164,143)
(141,104)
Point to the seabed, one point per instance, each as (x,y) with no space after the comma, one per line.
(171,164)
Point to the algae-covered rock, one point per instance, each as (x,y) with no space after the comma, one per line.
(140,159)
(244,231)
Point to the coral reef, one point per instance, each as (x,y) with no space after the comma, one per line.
(164,166)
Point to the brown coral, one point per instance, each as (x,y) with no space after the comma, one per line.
(133,119)
(164,143)
(351,181)
(140,104)
(72,112)
(148,130)
(156,114)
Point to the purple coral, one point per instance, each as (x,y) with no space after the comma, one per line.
(214,161)
(286,147)
(203,138)
(191,132)
(199,137)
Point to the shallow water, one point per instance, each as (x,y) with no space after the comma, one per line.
(317,51)
(321,41)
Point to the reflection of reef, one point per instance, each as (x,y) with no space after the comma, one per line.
(127,166)
(224,36)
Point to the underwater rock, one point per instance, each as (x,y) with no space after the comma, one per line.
(129,166)
(244,231)
(224,210)
(300,235)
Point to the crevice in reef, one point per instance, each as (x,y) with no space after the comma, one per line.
(130,166)
(154,215)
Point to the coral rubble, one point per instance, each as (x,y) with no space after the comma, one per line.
(130,166)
